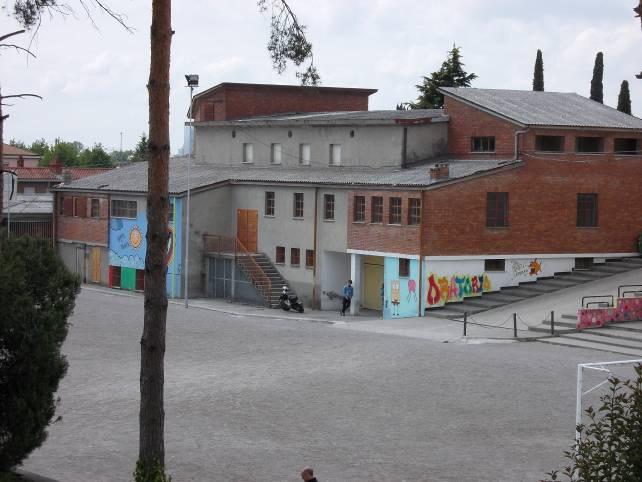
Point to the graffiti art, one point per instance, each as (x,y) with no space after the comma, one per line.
(444,289)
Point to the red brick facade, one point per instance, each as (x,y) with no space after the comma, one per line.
(236,101)
(77,224)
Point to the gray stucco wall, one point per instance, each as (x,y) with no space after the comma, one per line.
(426,141)
(77,257)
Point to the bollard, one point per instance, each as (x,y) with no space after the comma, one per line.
(514,325)
(553,323)
(465,321)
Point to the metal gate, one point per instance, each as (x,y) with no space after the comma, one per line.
(219,283)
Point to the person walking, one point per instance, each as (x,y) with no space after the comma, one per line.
(348,292)
(307,474)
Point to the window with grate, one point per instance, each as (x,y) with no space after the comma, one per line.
(328,207)
(376,210)
(276,153)
(495,265)
(497,209)
(359,212)
(280,255)
(309,258)
(95,208)
(482,144)
(394,210)
(298,205)
(248,152)
(123,209)
(414,211)
(295,257)
(586,210)
(269,203)
(404,268)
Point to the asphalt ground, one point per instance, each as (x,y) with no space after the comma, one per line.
(252,398)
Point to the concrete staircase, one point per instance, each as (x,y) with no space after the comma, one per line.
(276,280)
(513,294)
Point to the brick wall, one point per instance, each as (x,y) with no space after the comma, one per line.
(383,237)
(78,228)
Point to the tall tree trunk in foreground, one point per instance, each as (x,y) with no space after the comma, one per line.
(152,343)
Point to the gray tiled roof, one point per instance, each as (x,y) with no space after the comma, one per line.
(133,178)
(546,108)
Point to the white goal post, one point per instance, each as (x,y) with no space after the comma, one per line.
(598,366)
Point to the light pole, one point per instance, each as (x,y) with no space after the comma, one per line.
(192,83)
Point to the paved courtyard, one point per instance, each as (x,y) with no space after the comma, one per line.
(251,399)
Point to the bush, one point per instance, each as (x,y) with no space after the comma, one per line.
(610,446)
(37,295)
(150,473)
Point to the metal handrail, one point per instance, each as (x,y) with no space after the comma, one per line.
(621,293)
(597,296)
(258,277)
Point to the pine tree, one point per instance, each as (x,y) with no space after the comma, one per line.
(597,89)
(538,74)
(451,74)
(624,99)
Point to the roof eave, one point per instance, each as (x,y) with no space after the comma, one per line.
(482,108)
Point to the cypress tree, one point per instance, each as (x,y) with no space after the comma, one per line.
(597,89)
(624,99)
(538,74)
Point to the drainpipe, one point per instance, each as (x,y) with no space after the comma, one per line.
(517,133)
(314,246)
(404,147)
(421,258)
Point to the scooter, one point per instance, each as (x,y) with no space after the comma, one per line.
(288,302)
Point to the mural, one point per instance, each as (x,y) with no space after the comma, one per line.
(400,296)
(626,309)
(448,289)
(518,268)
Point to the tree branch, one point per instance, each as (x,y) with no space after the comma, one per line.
(6,36)
(21,96)
(17,47)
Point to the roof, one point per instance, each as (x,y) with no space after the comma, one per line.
(309,88)
(133,178)
(531,108)
(358,117)
(9,150)
(55,174)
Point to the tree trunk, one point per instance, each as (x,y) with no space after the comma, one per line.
(1,163)
(152,343)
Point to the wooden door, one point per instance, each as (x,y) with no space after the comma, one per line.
(95,264)
(247,226)
(372,282)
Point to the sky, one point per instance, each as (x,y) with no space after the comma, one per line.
(93,75)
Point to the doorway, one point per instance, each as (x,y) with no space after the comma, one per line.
(372,282)
(247,225)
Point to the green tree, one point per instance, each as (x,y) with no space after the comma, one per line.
(67,152)
(597,88)
(37,295)
(120,157)
(94,157)
(624,99)
(140,153)
(451,74)
(538,74)
(17,143)
(39,146)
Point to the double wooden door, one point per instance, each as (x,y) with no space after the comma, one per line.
(247,226)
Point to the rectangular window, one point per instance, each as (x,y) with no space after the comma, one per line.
(335,154)
(483,144)
(276,153)
(280,255)
(414,211)
(95,208)
(269,203)
(309,258)
(586,210)
(123,209)
(495,265)
(140,280)
(497,209)
(359,213)
(295,257)
(590,145)
(304,154)
(394,212)
(76,206)
(376,210)
(404,268)
(626,146)
(328,207)
(171,211)
(28,190)
(549,143)
(298,205)
(248,152)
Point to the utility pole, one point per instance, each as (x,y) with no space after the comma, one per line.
(192,83)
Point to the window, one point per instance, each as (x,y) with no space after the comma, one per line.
(276,153)
(482,144)
(394,213)
(61,206)
(404,268)
(549,143)
(304,154)
(586,210)
(335,154)
(170,215)
(328,207)
(95,208)
(589,144)
(115,277)
(248,152)
(123,209)
(497,209)
(298,205)
(295,257)
(309,258)
(495,265)
(414,211)
(269,203)
(626,146)
(29,190)
(376,209)
(280,255)
(80,207)
(583,263)
(359,213)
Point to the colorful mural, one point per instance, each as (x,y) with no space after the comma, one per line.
(448,289)
(400,296)
(520,269)
(626,309)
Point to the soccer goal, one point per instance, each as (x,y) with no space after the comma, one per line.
(596,376)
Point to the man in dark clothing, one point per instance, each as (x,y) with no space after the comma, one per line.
(308,475)
(348,292)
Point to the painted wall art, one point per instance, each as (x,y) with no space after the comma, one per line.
(448,289)
(626,309)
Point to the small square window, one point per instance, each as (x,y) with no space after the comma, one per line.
(276,153)
(335,154)
(394,214)
(304,154)
(328,207)
(404,268)
(295,257)
(95,208)
(359,213)
(269,203)
(414,211)
(309,258)
(376,210)
(495,265)
(497,209)
(298,205)
(483,144)
(248,152)
(586,210)
(280,255)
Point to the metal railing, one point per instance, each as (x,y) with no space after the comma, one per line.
(604,301)
(621,293)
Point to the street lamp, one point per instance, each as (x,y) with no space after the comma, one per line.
(192,83)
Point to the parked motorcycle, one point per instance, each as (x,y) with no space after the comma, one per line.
(289,302)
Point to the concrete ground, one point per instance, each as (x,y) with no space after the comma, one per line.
(253,398)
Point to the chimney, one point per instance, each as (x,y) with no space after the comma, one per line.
(21,161)
(55,165)
(66,176)
(439,171)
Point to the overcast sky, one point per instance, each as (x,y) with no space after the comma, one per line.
(93,78)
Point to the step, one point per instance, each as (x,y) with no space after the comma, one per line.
(521,291)
(633,262)
(540,288)
(608,332)
(606,340)
(561,323)
(569,316)
(564,341)
(610,268)
(481,302)
(575,278)
(444,313)
(557,283)
(628,326)
(461,308)
(503,297)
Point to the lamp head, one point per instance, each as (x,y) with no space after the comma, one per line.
(192,80)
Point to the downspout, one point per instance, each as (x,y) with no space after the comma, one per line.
(421,244)
(517,133)
(404,147)
(314,246)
